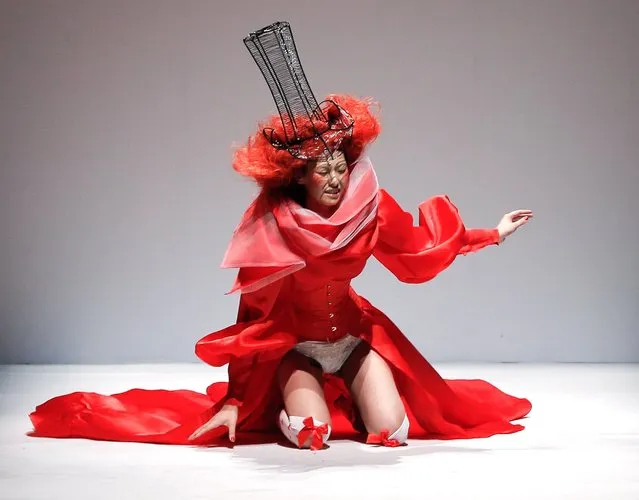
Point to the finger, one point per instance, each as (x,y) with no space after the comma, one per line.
(519,217)
(520,212)
(198,432)
(231,426)
(521,222)
(211,424)
(201,431)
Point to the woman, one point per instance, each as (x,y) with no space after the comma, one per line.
(307,354)
(328,217)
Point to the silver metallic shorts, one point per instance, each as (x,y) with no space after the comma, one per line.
(330,355)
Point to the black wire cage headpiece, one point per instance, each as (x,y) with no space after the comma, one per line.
(309,129)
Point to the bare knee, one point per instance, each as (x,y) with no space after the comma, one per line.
(373,387)
(386,422)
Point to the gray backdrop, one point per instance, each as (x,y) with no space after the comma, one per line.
(117,198)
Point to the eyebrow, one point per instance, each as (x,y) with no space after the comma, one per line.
(340,163)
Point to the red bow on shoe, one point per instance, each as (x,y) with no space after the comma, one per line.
(382,439)
(317,433)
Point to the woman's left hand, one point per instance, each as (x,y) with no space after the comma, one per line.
(512,221)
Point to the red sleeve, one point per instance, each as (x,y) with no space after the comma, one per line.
(415,254)
(239,373)
(254,306)
(476,239)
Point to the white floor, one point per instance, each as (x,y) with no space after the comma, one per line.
(581,442)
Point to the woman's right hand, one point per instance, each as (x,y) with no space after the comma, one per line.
(226,416)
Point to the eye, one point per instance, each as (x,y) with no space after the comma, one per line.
(322,171)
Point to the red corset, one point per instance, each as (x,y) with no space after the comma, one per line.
(326,311)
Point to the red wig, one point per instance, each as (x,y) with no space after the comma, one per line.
(271,167)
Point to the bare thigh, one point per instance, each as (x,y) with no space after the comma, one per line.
(373,389)
(301,385)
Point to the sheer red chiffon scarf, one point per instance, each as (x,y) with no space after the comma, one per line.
(264,235)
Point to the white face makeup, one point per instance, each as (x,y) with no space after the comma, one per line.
(326,181)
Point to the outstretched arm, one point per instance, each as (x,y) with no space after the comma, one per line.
(415,254)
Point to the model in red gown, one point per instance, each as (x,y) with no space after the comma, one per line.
(294,279)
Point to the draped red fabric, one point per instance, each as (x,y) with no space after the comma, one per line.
(306,295)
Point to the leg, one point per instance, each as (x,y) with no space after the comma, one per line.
(374,391)
(301,384)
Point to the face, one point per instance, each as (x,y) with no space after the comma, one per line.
(326,181)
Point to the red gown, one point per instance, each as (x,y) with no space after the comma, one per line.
(295,285)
